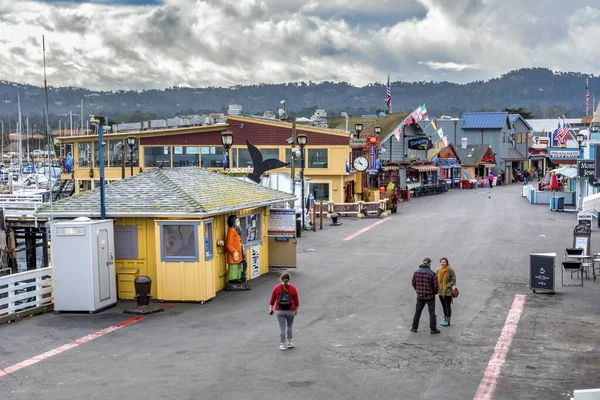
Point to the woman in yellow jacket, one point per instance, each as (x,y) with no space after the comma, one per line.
(446,279)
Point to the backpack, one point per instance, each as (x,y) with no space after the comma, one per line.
(284,301)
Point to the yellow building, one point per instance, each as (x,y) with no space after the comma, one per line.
(170,225)
(327,153)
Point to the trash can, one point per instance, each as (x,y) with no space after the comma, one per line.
(560,204)
(235,272)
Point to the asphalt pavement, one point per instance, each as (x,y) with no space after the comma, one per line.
(352,332)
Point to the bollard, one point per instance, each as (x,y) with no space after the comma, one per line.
(142,285)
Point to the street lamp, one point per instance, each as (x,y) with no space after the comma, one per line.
(302,142)
(131,142)
(100,129)
(227,142)
(377,130)
(358,128)
(580,138)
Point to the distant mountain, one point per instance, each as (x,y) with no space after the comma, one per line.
(543,92)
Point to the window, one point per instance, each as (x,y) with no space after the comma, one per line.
(126,245)
(115,153)
(85,154)
(320,191)
(246,160)
(412,176)
(97,155)
(521,137)
(251,229)
(212,157)
(157,156)
(288,158)
(186,156)
(179,241)
(209,251)
(317,158)
(503,137)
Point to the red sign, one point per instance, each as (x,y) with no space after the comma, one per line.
(488,158)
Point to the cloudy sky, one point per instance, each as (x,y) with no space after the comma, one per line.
(141,44)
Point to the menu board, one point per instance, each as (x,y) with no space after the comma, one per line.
(282,221)
(541,272)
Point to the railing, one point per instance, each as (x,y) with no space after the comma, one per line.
(17,203)
(25,293)
(359,209)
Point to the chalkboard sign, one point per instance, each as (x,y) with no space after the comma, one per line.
(541,272)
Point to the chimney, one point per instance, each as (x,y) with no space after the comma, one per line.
(464,143)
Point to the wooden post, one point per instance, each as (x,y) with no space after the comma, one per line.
(4,267)
(45,248)
(12,252)
(321,215)
(30,249)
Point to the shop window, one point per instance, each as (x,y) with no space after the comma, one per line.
(317,158)
(251,229)
(320,191)
(126,244)
(521,138)
(115,153)
(97,155)
(85,154)
(412,176)
(212,157)
(186,156)
(209,251)
(157,156)
(179,241)
(288,159)
(246,160)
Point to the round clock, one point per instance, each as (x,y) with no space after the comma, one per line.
(361,163)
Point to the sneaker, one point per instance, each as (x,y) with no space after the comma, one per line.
(445,322)
(433,332)
(290,345)
(283,347)
(413,330)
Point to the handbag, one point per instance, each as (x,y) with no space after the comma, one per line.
(455,292)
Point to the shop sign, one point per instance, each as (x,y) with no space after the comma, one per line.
(586,169)
(563,154)
(420,144)
(358,142)
(488,158)
(372,155)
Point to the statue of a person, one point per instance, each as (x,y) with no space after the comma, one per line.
(233,246)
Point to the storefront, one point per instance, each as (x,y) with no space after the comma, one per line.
(477,162)
(449,165)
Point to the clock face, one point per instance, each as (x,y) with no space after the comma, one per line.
(361,163)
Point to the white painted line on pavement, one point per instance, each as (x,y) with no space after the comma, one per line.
(492,372)
(44,356)
(365,229)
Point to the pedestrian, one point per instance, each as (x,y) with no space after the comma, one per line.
(425,283)
(491,179)
(525,177)
(446,280)
(284,298)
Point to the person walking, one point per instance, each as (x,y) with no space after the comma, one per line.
(446,280)
(491,179)
(285,300)
(425,283)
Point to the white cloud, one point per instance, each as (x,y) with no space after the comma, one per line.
(231,42)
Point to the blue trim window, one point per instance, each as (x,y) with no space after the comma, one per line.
(179,241)
(209,251)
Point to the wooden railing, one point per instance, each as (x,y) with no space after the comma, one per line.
(25,293)
(359,209)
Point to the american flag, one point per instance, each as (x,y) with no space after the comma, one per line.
(562,133)
(587,97)
(388,95)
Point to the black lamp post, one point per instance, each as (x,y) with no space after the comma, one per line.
(358,129)
(227,142)
(302,142)
(377,130)
(131,142)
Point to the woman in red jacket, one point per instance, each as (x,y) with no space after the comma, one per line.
(284,298)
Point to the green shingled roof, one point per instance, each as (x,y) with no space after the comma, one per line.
(183,191)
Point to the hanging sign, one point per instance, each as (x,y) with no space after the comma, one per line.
(420,144)
(488,158)
(563,154)
(586,169)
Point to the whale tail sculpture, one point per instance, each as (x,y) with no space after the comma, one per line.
(261,166)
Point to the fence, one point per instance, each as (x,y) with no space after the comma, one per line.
(25,293)
(359,209)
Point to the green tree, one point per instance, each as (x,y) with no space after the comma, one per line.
(524,113)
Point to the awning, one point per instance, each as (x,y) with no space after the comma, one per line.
(514,155)
(566,171)
(591,202)
(424,168)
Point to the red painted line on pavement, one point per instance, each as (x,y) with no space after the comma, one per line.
(492,372)
(68,346)
(363,230)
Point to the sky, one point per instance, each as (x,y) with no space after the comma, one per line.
(144,44)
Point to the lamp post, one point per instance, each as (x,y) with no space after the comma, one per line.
(302,142)
(100,129)
(131,142)
(227,142)
(358,129)
(377,130)
(580,138)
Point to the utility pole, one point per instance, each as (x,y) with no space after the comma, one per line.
(293,158)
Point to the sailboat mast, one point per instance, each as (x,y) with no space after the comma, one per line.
(50,183)
(19,130)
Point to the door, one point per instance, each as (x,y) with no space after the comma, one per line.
(103,266)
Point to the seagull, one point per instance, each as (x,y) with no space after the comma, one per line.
(260,166)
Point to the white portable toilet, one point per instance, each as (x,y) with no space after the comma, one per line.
(83,265)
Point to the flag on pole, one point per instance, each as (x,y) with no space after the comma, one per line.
(388,96)
(587,97)
(434,124)
(440,132)
(424,112)
(445,141)
(397,132)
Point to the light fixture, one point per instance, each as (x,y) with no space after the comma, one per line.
(131,141)
(580,138)
(301,140)
(377,129)
(227,139)
(358,128)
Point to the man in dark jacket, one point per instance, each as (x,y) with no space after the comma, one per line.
(426,285)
